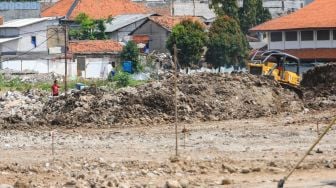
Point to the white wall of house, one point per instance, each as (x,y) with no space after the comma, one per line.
(95,67)
(24,44)
(281,40)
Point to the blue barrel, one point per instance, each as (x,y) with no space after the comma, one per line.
(80,86)
(127,66)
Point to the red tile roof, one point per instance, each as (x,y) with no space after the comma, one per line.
(318,14)
(312,54)
(169,22)
(94,46)
(96,9)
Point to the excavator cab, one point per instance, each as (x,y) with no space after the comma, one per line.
(282,67)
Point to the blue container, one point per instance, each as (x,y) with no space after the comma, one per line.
(80,86)
(127,66)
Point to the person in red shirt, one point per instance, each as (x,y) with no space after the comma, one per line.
(55,89)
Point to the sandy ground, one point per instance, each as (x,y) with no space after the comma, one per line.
(248,153)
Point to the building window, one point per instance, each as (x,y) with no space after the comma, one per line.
(291,36)
(276,36)
(33,41)
(307,35)
(334,34)
(323,35)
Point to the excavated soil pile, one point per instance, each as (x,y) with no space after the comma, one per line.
(201,97)
(319,86)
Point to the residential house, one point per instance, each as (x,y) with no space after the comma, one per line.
(26,35)
(94,58)
(122,25)
(156,30)
(309,33)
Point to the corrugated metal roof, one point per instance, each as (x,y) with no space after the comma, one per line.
(24,22)
(3,40)
(124,20)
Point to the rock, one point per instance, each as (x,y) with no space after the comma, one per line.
(275,170)
(256,169)
(184,183)
(330,164)
(70,184)
(229,168)
(6,186)
(173,184)
(123,185)
(21,184)
(226,181)
(245,171)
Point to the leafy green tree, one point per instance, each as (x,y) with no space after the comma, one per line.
(227,45)
(131,52)
(248,15)
(263,14)
(226,7)
(190,38)
(89,29)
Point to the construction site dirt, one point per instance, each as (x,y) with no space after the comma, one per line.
(240,153)
(234,130)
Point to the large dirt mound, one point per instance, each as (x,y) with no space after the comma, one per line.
(201,97)
(319,85)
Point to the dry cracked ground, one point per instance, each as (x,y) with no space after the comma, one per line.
(233,153)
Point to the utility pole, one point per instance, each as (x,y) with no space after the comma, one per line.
(176,117)
(65,60)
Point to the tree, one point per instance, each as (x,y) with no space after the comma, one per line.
(227,45)
(89,29)
(226,7)
(263,14)
(130,52)
(190,38)
(248,15)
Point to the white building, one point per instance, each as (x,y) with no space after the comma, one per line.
(309,33)
(281,7)
(25,35)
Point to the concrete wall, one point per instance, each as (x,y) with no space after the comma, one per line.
(95,67)
(157,34)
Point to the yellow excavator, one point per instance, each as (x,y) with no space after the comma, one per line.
(277,65)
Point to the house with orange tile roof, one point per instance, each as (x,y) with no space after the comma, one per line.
(101,9)
(94,58)
(157,30)
(309,33)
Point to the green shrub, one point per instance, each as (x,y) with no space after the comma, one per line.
(122,79)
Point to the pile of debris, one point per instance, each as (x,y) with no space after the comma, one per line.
(200,97)
(19,108)
(319,85)
(29,76)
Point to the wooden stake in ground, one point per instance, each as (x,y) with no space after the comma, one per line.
(175,90)
(65,60)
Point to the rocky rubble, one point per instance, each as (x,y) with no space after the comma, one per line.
(17,107)
(29,76)
(319,85)
(201,97)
